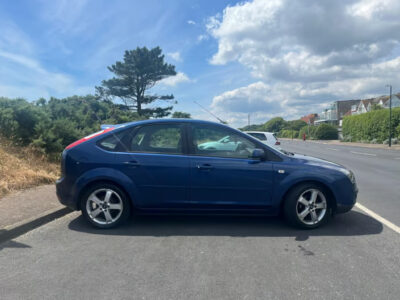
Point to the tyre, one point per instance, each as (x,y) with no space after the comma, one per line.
(105,205)
(307,206)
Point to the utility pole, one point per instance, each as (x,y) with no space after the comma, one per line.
(390,114)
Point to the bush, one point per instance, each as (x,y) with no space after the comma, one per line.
(319,132)
(309,131)
(371,125)
(286,133)
(326,132)
(51,126)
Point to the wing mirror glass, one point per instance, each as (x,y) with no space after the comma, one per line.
(258,154)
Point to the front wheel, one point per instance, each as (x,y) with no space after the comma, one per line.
(307,206)
(105,205)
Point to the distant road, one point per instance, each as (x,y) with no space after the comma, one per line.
(377,172)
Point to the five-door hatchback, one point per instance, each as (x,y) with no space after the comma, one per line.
(190,166)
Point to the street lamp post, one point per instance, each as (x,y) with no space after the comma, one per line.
(390,114)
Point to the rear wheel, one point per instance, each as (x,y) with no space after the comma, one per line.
(307,206)
(105,205)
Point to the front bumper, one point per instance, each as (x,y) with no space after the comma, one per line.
(343,208)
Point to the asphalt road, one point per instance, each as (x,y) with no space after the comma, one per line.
(353,256)
(377,172)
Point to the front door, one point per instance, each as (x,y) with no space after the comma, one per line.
(224,177)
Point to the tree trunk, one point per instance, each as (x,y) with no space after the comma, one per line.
(139,107)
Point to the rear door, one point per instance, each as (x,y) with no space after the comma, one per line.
(156,162)
(226,178)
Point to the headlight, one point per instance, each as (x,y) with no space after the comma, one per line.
(350,175)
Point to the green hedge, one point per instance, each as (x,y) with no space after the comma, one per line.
(371,126)
(287,133)
(320,132)
(52,125)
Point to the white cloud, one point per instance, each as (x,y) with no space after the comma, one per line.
(202,37)
(175,80)
(191,22)
(308,51)
(175,56)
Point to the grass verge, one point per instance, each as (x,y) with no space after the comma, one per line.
(23,167)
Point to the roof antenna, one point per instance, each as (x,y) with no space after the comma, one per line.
(205,109)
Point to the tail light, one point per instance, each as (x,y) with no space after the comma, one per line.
(86,138)
(277,143)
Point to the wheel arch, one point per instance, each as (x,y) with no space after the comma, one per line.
(94,182)
(330,194)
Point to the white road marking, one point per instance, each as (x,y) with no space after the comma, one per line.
(332,149)
(363,153)
(378,218)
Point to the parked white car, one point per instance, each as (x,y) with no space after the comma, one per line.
(268,138)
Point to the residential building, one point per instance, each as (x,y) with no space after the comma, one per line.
(336,111)
(309,119)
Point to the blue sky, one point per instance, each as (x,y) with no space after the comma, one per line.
(263,57)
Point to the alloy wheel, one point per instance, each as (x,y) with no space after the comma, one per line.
(311,207)
(104,206)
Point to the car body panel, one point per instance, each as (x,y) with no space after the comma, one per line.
(230,183)
(175,182)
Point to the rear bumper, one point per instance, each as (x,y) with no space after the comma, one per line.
(65,194)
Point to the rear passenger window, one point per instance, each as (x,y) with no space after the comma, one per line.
(160,138)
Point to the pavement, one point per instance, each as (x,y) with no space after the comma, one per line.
(170,257)
(28,209)
(351,144)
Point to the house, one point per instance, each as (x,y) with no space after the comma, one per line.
(309,119)
(336,111)
(383,101)
(363,107)
(395,101)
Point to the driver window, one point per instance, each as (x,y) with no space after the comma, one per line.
(220,142)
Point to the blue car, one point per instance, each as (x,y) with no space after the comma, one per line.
(159,166)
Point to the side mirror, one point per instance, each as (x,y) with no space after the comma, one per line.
(258,154)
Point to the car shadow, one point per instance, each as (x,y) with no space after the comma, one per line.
(352,223)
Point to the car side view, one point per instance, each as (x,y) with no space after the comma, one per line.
(178,166)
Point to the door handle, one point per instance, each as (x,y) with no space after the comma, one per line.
(131,163)
(205,167)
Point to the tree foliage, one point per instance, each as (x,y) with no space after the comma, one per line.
(274,125)
(140,70)
(295,125)
(181,115)
(52,125)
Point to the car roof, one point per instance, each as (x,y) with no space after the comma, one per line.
(259,132)
(155,121)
